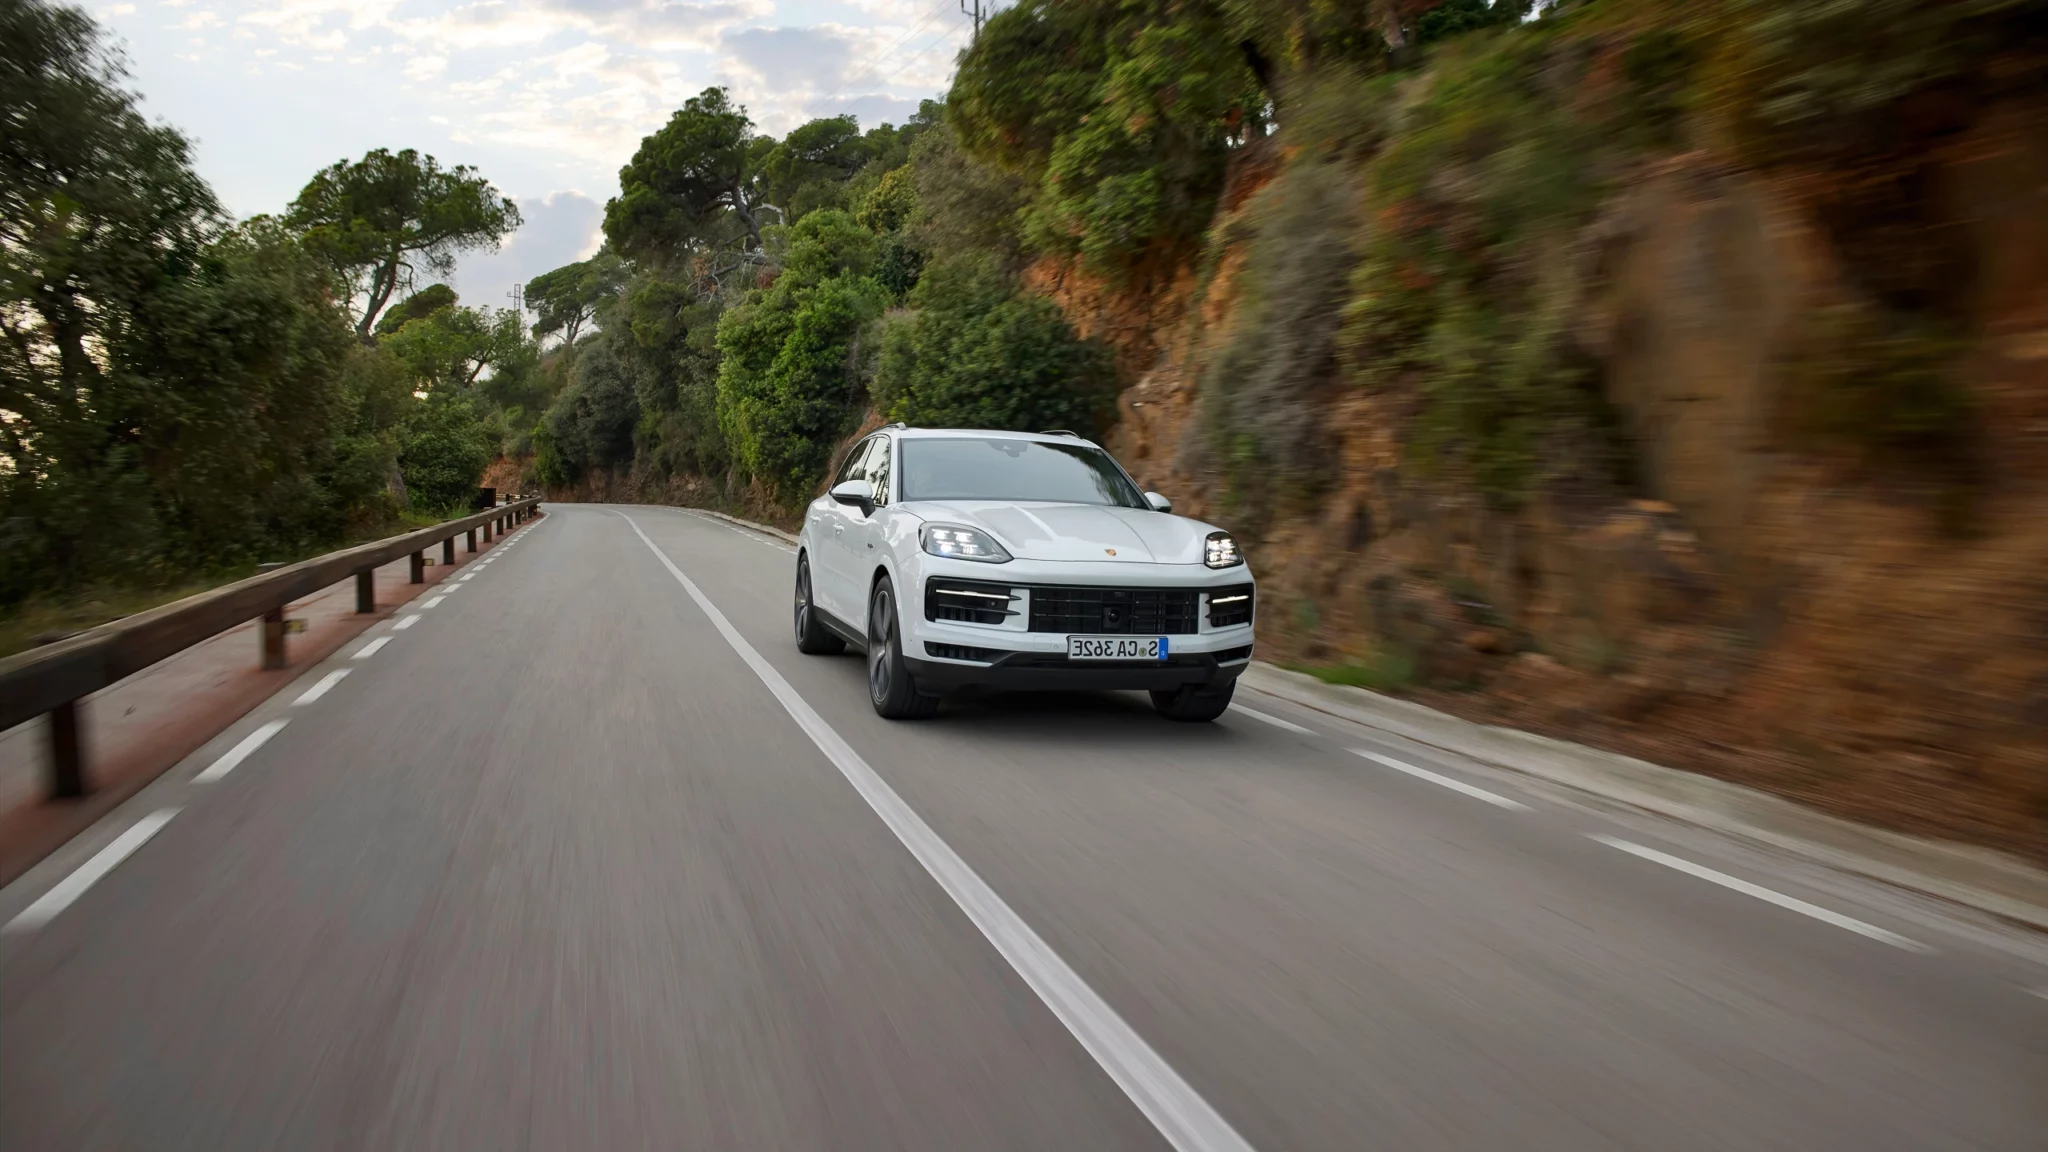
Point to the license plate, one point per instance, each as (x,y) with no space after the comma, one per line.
(1116,647)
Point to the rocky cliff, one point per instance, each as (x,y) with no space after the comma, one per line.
(1859,622)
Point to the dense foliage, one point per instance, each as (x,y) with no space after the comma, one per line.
(180,393)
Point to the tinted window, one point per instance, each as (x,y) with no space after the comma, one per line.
(997,469)
(855,467)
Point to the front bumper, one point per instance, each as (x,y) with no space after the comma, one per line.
(1053,672)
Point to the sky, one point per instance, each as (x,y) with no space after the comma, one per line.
(546,98)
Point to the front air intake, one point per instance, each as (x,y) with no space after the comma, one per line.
(968,601)
(1230,606)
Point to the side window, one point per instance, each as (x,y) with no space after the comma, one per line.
(854,467)
(878,469)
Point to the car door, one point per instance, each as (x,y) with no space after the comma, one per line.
(830,560)
(863,538)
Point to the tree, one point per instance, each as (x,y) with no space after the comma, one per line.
(170,381)
(694,187)
(382,218)
(447,447)
(419,305)
(568,297)
(789,373)
(452,347)
(973,352)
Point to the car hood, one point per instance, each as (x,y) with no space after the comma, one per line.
(1076,532)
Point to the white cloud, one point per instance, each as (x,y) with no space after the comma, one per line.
(559,228)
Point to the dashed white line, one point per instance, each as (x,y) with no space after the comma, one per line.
(326,683)
(1445,781)
(1275,721)
(89,873)
(239,752)
(1765,894)
(1180,1114)
(467,576)
(371,649)
(451,588)
(432,601)
(403,623)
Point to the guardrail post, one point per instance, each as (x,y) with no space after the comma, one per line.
(472,539)
(67,757)
(419,567)
(448,550)
(366,590)
(272,632)
(487,531)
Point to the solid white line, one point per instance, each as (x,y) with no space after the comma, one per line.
(1446,781)
(89,873)
(1275,721)
(432,602)
(371,649)
(318,690)
(1181,1115)
(403,623)
(239,753)
(1765,894)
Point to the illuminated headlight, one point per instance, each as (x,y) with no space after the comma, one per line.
(951,540)
(1221,551)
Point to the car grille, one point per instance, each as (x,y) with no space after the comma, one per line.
(1230,606)
(1114,611)
(968,601)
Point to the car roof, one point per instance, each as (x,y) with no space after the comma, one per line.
(986,433)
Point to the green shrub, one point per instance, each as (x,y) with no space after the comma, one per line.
(448,444)
(973,352)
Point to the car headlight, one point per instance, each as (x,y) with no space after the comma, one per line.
(958,543)
(1220,551)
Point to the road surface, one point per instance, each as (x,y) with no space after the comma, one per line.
(586,856)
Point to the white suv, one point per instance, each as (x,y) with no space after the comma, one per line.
(1012,560)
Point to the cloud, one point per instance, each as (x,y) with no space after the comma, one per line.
(559,228)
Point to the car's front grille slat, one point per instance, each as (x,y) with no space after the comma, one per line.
(1114,611)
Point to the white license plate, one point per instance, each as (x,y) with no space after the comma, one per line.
(1116,647)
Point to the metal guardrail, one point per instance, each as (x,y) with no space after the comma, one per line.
(53,678)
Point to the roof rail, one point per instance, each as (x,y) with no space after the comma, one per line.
(897,424)
(1060,432)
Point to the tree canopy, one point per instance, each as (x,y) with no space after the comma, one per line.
(381,220)
(568,297)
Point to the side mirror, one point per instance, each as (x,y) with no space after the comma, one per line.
(1159,503)
(857,493)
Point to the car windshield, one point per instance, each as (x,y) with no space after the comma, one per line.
(991,468)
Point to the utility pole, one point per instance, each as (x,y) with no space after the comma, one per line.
(518,296)
(979,11)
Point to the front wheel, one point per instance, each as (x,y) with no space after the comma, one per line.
(1194,703)
(812,637)
(890,686)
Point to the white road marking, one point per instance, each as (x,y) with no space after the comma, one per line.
(1765,894)
(1446,781)
(326,682)
(239,752)
(748,533)
(371,649)
(1181,1115)
(1275,721)
(467,576)
(89,873)
(430,603)
(403,623)
(451,588)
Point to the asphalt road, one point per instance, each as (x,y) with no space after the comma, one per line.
(569,862)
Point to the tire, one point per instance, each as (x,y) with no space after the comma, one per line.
(890,686)
(1194,703)
(812,637)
